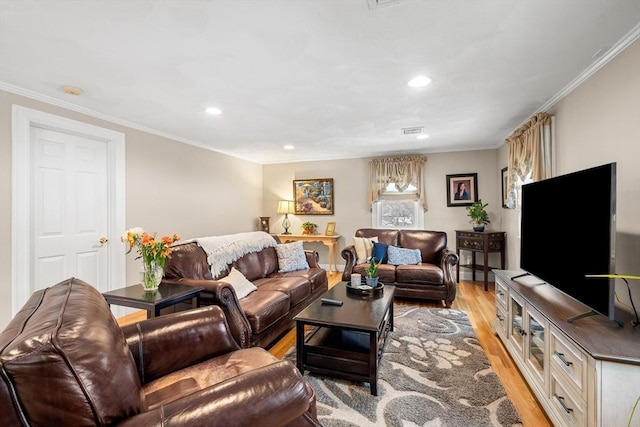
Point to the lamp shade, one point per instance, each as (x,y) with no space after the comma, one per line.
(285,207)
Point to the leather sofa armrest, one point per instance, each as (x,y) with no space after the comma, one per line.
(313,258)
(273,395)
(349,254)
(223,295)
(157,344)
(448,260)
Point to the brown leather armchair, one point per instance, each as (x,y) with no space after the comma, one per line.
(65,361)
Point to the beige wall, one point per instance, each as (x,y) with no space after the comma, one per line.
(171,187)
(598,123)
(351,182)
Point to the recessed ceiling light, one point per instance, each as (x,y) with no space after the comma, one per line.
(71,90)
(288,147)
(422,136)
(214,111)
(419,81)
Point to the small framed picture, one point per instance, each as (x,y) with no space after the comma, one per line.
(505,194)
(331,229)
(462,189)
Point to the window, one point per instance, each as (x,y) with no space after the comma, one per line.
(396,209)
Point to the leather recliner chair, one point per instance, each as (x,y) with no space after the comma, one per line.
(64,361)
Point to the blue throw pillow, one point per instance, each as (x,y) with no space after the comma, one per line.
(379,252)
(402,256)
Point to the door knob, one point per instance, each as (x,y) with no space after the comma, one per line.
(103,240)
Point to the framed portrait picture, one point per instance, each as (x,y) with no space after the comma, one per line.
(462,189)
(505,194)
(313,196)
(331,229)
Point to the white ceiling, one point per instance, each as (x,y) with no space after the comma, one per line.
(326,76)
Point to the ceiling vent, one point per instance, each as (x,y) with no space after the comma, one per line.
(377,4)
(412,131)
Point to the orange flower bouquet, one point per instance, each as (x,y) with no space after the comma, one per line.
(153,252)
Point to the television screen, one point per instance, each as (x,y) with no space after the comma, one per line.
(568,231)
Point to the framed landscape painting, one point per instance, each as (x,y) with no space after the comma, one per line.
(313,196)
(462,189)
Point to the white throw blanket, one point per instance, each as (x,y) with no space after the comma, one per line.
(223,250)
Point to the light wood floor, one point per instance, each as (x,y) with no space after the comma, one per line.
(480,307)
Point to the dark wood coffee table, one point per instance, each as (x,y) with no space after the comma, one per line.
(346,341)
(166,295)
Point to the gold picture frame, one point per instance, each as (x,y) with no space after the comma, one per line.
(331,229)
(313,196)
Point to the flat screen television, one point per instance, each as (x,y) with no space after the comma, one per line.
(568,231)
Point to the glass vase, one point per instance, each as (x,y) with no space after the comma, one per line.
(150,275)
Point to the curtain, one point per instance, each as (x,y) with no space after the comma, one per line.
(400,171)
(529,152)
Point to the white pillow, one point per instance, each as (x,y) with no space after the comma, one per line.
(363,246)
(241,284)
(291,257)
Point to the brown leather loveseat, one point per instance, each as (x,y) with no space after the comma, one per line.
(263,315)
(64,361)
(431,279)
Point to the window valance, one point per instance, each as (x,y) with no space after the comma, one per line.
(404,173)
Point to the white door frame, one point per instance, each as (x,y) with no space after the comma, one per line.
(23,119)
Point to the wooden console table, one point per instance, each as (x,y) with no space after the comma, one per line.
(480,241)
(330,242)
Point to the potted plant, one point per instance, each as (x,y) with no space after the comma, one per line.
(372,273)
(309,227)
(478,214)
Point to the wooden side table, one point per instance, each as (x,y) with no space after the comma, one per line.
(330,242)
(166,295)
(480,241)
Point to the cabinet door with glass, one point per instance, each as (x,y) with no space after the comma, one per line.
(517,331)
(537,346)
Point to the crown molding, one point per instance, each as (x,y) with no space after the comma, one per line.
(615,50)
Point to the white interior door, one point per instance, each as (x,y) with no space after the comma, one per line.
(70,205)
(68,194)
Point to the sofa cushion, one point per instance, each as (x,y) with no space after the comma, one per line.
(298,288)
(264,308)
(316,276)
(430,243)
(291,257)
(403,256)
(65,346)
(256,265)
(363,247)
(423,273)
(240,284)
(386,272)
(200,376)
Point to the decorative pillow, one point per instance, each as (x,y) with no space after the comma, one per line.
(402,256)
(291,257)
(241,284)
(363,246)
(379,252)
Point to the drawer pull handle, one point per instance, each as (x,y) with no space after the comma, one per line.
(500,318)
(561,357)
(522,332)
(564,405)
(500,293)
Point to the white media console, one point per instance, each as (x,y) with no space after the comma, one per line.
(584,373)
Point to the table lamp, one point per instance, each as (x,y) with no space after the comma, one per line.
(286,207)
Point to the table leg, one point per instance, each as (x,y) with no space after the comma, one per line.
(195,302)
(458,266)
(473,266)
(373,362)
(486,269)
(300,346)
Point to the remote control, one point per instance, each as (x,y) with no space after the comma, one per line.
(331,301)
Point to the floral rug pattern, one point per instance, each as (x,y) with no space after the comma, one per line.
(433,373)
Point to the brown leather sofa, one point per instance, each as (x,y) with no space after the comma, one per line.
(64,361)
(432,279)
(263,315)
